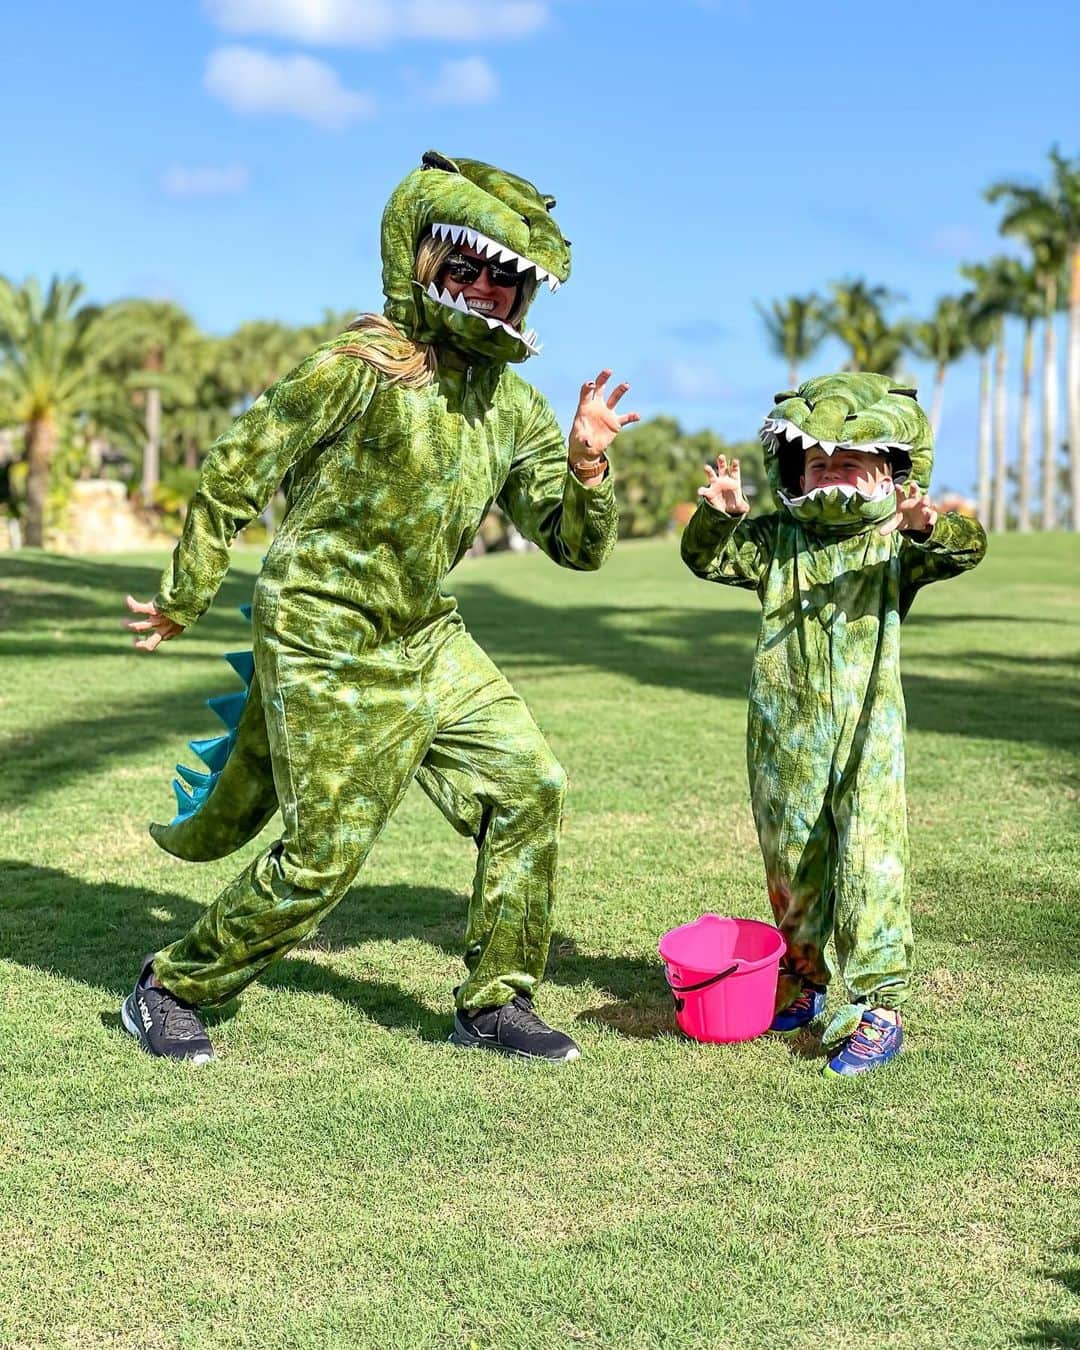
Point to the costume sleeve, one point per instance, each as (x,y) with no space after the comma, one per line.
(244,467)
(954,545)
(574,525)
(734,550)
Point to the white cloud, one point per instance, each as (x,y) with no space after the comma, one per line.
(251,81)
(376,23)
(470,80)
(205,182)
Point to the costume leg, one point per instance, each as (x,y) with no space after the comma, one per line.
(873,915)
(797,835)
(492,774)
(345,742)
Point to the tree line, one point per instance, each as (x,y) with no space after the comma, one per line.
(135,389)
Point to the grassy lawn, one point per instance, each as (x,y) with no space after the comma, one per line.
(342,1177)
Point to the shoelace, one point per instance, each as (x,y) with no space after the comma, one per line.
(866,1040)
(520,1012)
(804,1002)
(179,1022)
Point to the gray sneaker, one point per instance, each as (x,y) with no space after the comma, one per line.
(163,1024)
(513,1029)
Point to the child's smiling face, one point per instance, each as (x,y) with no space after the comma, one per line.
(860,469)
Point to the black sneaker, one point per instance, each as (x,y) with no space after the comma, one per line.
(513,1029)
(163,1024)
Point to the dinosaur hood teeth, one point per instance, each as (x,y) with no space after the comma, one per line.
(492,248)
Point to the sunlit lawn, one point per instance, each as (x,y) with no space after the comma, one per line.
(343,1177)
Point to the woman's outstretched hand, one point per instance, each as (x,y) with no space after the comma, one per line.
(723,487)
(158,627)
(596,423)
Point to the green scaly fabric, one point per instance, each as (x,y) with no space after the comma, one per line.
(825,735)
(363,673)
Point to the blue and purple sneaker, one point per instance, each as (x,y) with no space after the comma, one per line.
(809,1004)
(875,1042)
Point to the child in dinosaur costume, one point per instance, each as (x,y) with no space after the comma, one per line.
(392,442)
(836,568)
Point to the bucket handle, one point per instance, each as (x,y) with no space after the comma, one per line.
(677,989)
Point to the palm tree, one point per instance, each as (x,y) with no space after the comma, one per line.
(857,317)
(796,327)
(996,290)
(1065,194)
(53,351)
(1033,216)
(982,321)
(943,339)
(1027,304)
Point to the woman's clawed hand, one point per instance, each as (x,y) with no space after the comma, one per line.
(596,423)
(158,627)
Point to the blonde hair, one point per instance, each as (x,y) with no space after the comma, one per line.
(398,357)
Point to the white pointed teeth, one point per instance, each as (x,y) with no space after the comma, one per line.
(459,305)
(491,248)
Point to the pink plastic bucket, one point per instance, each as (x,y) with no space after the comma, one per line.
(723,974)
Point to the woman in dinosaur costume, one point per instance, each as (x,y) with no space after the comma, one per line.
(825,739)
(392,442)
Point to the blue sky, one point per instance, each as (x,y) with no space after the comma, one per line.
(235,155)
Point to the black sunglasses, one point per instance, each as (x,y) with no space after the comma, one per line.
(466,270)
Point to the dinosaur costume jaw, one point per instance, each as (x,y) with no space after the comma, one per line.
(775,431)
(462,201)
(852,410)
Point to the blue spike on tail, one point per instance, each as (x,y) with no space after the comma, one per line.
(244,665)
(213,751)
(228,707)
(195,778)
(187,805)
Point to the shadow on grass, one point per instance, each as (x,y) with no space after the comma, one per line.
(1062,1334)
(96,933)
(710,652)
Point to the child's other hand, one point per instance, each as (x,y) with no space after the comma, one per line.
(915,512)
(158,627)
(723,487)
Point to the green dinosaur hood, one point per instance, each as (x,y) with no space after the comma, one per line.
(850,411)
(494,212)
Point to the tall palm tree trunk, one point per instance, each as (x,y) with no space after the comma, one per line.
(41,439)
(984,437)
(151,464)
(1027,365)
(939,396)
(1072,385)
(1049,409)
(1001,478)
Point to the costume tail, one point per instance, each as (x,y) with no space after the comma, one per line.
(229,804)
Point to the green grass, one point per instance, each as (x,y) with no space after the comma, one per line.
(342,1177)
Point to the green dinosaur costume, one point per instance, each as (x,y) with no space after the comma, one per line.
(363,676)
(825,737)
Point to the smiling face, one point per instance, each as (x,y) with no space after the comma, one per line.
(852,468)
(481,294)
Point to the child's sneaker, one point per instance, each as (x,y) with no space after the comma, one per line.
(809,1004)
(876,1040)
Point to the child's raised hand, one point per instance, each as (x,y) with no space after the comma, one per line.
(723,487)
(915,512)
(158,627)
